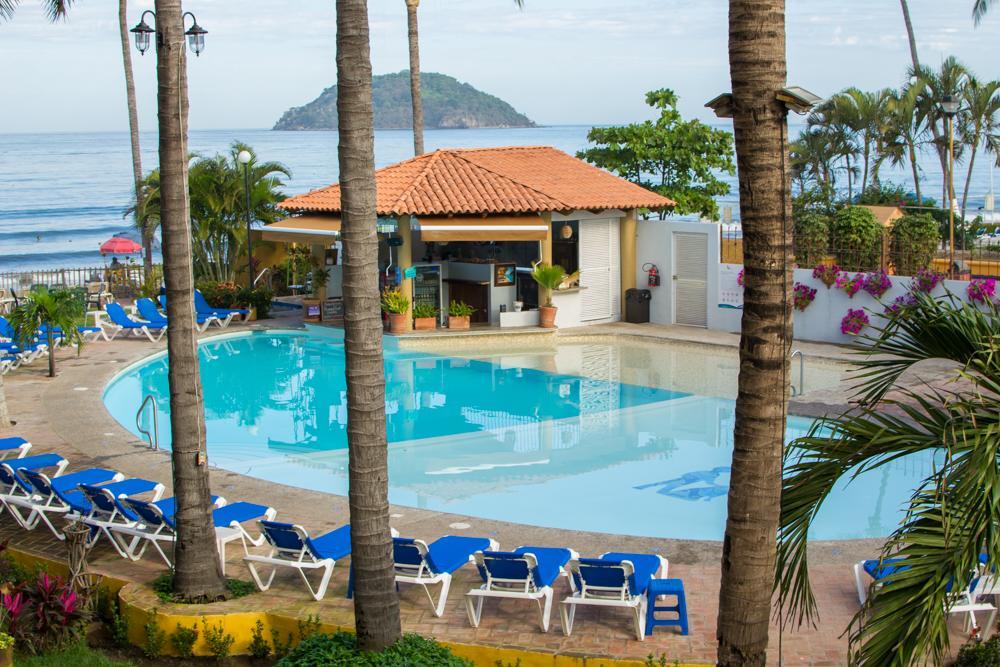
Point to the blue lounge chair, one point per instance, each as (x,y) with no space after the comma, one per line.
(417,562)
(149,312)
(616,579)
(60,497)
(159,526)
(87,333)
(29,499)
(527,573)
(291,546)
(120,321)
(12,485)
(201,306)
(103,514)
(16,446)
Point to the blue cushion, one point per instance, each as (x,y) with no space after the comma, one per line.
(645,566)
(550,560)
(72,480)
(282,535)
(238,512)
(11,443)
(451,552)
(336,544)
(888,567)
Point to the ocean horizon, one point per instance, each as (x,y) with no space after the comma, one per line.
(65,193)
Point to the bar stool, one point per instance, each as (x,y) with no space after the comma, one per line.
(661,587)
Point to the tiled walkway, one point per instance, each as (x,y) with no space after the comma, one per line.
(66,415)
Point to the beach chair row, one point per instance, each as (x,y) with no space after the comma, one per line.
(14,353)
(148,320)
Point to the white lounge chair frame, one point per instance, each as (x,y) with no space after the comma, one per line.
(301,560)
(42,506)
(21,451)
(17,494)
(109,524)
(422,576)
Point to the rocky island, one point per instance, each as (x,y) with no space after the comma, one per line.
(448,104)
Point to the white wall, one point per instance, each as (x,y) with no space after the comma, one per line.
(654,245)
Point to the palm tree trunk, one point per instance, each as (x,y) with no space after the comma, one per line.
(418,105)
(850,187)
(376,604)
(968,179)
(4,412)
(197,574)
(916,173)
(50,341)
(758,72)
(909,34)
(864,176)
(133,127)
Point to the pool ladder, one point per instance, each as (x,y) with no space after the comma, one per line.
(154,436)
(798,390)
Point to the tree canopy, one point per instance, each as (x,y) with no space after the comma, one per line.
(677,158)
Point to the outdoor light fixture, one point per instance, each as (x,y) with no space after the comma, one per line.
(195,34)
(244,157)
(795,98)
(949,105)
(721,105)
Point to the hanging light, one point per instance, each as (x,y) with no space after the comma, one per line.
(949,105)
(142,31)
(196,35)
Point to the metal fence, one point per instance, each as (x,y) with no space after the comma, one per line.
(123,281)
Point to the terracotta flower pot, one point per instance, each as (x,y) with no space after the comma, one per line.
(457,322)
(7,657)
(547,317)
(398,323)
(424,323)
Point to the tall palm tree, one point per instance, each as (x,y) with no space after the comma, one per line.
(376,604)
(197,574)
(55,314)
(929,87)
(904,134)
(54,9)
(757,69)
(952,515)
(980,8)
(909,34)
(133,131)
(982,124)
(418,105)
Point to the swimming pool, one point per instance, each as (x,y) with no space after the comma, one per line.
(579,436)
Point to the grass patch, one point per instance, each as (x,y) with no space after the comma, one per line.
(163,586)
(77,655)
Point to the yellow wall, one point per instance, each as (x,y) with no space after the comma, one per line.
(404,259)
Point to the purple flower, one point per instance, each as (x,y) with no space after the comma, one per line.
(827,274)
(926,280)
(739,278)
(803,295)
(854,321)
(981,290)
(850,285)
(901,303)
(877,283)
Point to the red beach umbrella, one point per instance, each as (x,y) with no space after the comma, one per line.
(120,246)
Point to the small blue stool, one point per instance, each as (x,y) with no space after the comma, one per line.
(657,588)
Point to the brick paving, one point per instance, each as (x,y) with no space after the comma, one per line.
(66,414)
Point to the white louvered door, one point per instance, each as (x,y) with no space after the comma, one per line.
(600,270)
(690,278)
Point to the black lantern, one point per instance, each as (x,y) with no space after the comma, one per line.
(142,32)
(196,35)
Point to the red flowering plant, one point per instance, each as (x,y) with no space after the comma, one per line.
(43,614)
(850,284)
(926,280)
(739,278)
(827,274)
(877,283)
(802,296)
(981,290)
(901,304)
(854,322)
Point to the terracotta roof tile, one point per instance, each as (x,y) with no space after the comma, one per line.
(517,179)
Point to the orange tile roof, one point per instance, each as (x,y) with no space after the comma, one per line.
(484,181)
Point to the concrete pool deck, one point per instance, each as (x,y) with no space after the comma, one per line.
(67,415)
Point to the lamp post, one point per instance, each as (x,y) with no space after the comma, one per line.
(143,31)
(949,107)
(244,157)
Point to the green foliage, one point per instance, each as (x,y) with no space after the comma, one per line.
(155,637)
(857,239)
(6,641)
(424,310)
(914,240)
(259,648)
(56,309)
(886,194)
(118,626)
(394,302)
(77,655)
(951,516)
(548,276)
(979,654)
(219,642)
(460,309)
(11,572)
(258,298)
(447,102)
(812,238)
(163,587)
(281,648)
(333,650)
(219,294)
(677,158)
(218,208)
(183,640)
(308,626)
(320,277)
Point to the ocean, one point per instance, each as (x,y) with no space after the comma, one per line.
(63,194)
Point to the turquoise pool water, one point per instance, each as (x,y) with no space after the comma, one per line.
(514,439)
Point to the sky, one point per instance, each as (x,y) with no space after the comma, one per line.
(558,61)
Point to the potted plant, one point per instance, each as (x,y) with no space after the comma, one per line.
(424,317)
(458,315)
(396,305)
(549,277)
(6,650)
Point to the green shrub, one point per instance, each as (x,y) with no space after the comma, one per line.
(393,301)
(460,309)
(857,239)
(308,627)
(155,637)
(258,298)
(183,640)
(424,310)
(812,238)
(219,642)
(979,654)
(281,648)
(259,648)
(163,586)
(218,295)
(119,627)
(915,239)
(341,649)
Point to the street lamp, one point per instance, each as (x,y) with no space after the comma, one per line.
(949,106)
(143,31)
(244,157)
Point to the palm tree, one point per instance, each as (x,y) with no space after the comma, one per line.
(376,604)
(197,574)
(54,9)
(982,123)
(418,105)
(909,34)
(757,69)
(980,8)
(952,515)
(904,134)
(929,87)
(55,314)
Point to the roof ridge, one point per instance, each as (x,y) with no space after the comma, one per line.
(431,159)
(511,179)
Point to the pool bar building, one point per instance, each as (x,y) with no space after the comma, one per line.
(468,224)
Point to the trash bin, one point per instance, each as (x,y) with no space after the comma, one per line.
(637,305)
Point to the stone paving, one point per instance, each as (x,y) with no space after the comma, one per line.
(66,414)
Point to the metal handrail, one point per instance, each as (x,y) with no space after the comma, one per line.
(154,437)
(802,373)
(267,269)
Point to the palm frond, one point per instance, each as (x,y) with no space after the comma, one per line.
(979,10)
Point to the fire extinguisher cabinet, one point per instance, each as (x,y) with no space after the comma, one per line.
(637,305)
